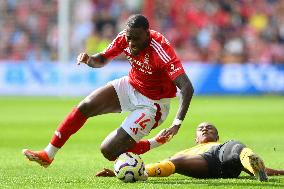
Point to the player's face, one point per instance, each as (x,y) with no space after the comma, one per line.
(137,39)
(206,132)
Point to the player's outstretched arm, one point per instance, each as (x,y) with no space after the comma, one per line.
(186,90)
(94,61)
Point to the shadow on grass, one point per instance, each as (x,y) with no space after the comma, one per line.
(244,181)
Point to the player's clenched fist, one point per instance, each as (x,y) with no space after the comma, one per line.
(82,58)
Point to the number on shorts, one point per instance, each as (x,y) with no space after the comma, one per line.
(141,122)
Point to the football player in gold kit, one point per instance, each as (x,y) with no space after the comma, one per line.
(210,159)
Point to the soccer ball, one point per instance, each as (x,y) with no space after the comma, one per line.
(129,167)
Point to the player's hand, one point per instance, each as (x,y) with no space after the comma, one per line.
(105,173)
(83,58)
(162,137)
(170,132)
(166,135)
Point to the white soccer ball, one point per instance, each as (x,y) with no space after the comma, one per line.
(129,167)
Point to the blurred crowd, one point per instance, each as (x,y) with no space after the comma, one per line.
(224,31)
(28,29)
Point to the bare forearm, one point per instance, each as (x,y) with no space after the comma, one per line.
(186,91)
(97,61)
(186,95)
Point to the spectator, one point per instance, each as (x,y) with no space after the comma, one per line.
(222,31)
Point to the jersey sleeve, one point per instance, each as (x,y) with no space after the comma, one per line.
(116,47)
(172,65)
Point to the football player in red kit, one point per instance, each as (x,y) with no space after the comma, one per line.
(156,73)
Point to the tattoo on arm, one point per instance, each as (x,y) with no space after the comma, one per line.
(186,89)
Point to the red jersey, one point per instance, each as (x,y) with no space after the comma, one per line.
(153,69)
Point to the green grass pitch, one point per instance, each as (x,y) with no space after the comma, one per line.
(29,122)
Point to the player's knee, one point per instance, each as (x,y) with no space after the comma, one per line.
(85,107)
(108,153)
(231,150)
(237,147)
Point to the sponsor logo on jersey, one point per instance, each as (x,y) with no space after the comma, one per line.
(141,66)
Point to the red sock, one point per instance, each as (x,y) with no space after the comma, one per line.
(71,124)
(141,147)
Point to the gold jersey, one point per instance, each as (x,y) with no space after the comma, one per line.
(198,149)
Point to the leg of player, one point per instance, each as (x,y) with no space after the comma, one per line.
(116,143)
(101,101)
(193,166)
(144,146)
(161,169)
(236,157)
(253,163)
(116,140)
(128,137)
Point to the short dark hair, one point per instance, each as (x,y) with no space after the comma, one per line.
(138,21)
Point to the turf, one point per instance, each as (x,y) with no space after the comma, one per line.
(29,122)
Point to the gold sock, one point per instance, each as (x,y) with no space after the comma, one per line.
(162,169)
(244,157)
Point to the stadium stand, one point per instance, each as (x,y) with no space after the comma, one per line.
(209,31)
